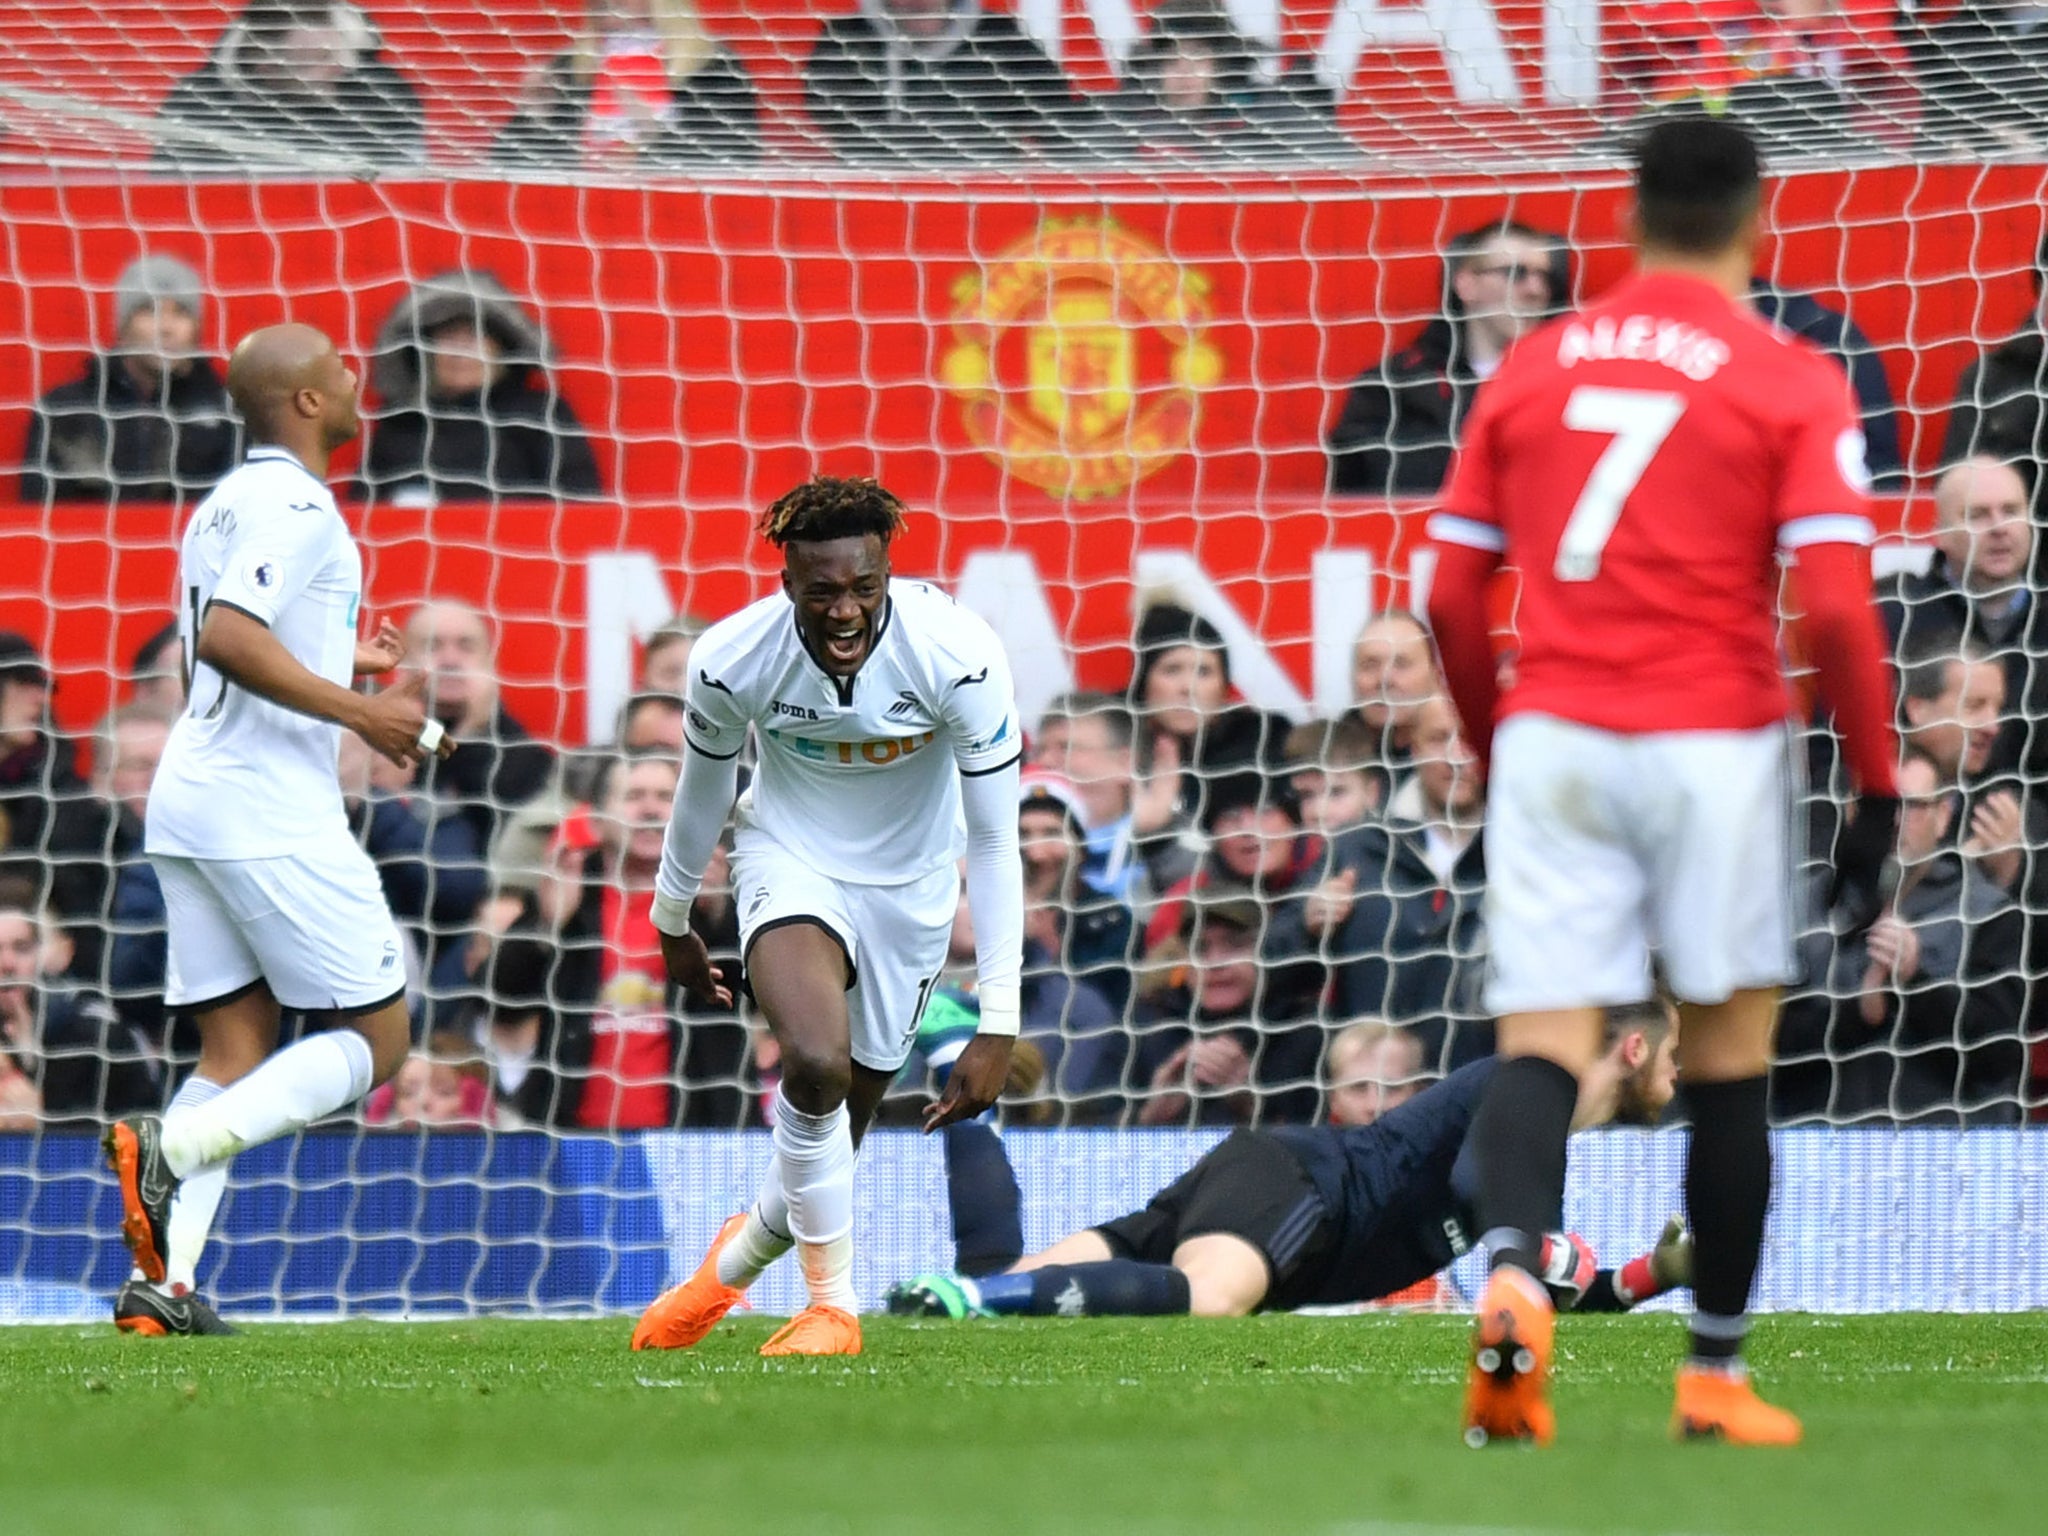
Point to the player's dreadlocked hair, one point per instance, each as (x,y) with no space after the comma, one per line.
(825,507)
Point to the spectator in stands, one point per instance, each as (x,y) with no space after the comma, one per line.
(1061,1004)
(496,764)
(1190,730)
(1918,1015)
(1804,75)
(51,830)
(628,1055)
(1983,68)
(125,758)
(1977,585)
(1997,409)
(83,1060)
(1951,703)
(150,420)
(157,673)
(427,854)
(467,406)
(1393,674)
(942,80)
(1195,87)
(1372,1067)
(665,659)
(1256,847)
(445,1085)
(1334,771)
(651,722)
(291,79)
(1400,420)
(1399,916)
(1086,739)
(1212,1048)
(643,85)
(1068,925)
(1840,337)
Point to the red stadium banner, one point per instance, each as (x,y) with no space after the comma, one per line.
(1289,582)
(1048,348)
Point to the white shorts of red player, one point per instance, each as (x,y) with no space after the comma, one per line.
(1604,850)
(895,936)
(313,924)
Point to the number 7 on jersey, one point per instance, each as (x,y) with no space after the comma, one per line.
(1638,421)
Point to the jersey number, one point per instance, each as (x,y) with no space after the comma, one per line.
(1638,421)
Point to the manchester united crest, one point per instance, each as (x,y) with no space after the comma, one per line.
(1079,355)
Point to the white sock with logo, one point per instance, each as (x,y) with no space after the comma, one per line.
(301,1083)
(815,1153)
(764,1239)
(198,1196)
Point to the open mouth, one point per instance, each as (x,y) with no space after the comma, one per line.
(846,643)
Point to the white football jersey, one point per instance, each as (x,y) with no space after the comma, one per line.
(861,777)
(243,778)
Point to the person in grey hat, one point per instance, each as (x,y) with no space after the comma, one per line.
(150,420)
(468,410)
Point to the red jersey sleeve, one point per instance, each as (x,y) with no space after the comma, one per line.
(1470,514)
(1823,483)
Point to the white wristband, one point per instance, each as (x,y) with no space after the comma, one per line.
(670,916)
(431,736)
(1001,1010)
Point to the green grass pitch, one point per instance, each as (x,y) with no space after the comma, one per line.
(1338,1425)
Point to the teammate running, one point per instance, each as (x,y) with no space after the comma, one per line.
(268,899)
(884,713)
(1313,1215)
(1644,464)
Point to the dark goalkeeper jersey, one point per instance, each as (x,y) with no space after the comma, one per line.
(1394,1216)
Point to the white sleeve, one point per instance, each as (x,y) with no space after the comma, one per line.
(995,892)
(272,557)
(714,720)
(703,796)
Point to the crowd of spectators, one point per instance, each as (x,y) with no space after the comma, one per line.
(646,84)
(1231,918)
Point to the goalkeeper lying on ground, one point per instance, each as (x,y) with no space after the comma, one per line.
(1300,1216)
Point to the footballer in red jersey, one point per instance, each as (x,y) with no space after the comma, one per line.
(1645,465)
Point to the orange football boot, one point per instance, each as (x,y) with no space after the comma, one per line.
(817,1330)
(1507,1393)
(1720,1405)
(683,1314)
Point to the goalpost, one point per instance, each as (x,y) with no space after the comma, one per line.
(1101,372)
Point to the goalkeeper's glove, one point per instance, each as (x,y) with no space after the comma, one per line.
(1568,1267)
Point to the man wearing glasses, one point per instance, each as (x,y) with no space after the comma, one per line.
(1401,418)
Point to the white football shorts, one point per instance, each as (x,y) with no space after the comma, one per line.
(314,925)
(895,937)
(1604,850)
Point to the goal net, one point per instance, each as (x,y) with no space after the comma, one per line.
(1161,316)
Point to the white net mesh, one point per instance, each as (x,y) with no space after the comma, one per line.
(1135,305)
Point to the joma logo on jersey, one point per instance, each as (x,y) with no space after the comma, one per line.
(793,711)
(854,754)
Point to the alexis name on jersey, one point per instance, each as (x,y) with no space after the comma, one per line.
(1687,349)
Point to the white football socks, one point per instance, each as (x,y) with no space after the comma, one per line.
(764,1239)
(198,1196)
(304,1081)
(815,1153)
